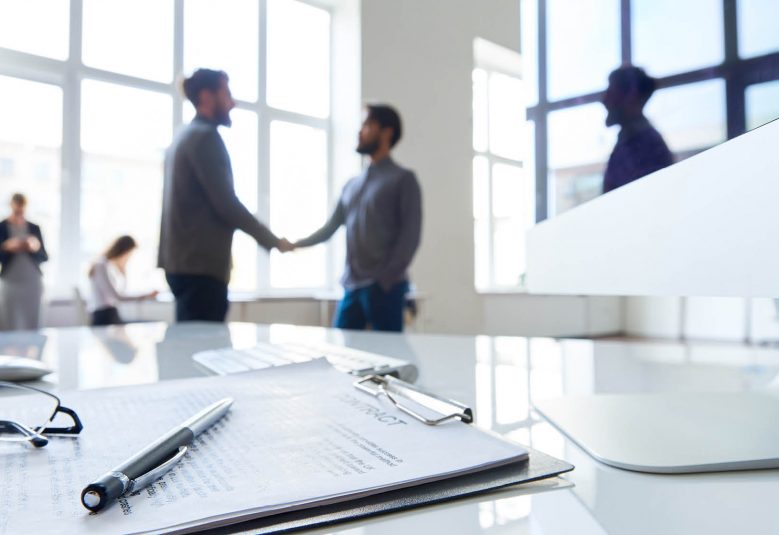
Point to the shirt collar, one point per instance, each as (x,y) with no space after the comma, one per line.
(381,164)
(634,127)
(205,120)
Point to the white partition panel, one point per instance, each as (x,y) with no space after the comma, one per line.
(706,226)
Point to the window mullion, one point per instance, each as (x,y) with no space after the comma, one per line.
(735,88)
(263,145)
(178,61)
(70,195)
(489,221)
(626,33)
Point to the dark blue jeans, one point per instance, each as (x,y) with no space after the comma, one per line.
(372,306)
(198,297)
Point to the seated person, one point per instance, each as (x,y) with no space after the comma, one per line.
(107,281)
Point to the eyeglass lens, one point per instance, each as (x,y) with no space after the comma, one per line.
(23,409)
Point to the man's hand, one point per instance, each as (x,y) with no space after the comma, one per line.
(285,245)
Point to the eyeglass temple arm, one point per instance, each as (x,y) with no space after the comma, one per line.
(72,430)
(37,440)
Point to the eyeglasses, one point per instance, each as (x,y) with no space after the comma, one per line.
(22,403)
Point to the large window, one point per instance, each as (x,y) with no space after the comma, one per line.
(503,190)
(90,105)
(714,82)
(30,153)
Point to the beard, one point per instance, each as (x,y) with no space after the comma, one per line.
(368,147)
(612,117)
(222,117)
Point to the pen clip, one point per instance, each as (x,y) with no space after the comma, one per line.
(155,473)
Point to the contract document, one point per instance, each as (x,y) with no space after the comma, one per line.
(297,436)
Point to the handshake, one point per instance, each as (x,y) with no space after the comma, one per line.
(285,246)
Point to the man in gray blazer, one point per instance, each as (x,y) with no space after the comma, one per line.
(200,210)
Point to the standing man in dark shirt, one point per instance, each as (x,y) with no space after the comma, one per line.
(382,211)
(640,148)
(200,210)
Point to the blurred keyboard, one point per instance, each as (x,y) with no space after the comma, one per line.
(264,355)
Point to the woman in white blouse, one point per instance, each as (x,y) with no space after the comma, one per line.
(107,281)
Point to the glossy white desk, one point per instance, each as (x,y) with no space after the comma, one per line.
(497,376)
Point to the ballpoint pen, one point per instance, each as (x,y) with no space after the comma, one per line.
(149,464)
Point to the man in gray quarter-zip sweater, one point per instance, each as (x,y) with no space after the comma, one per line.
(200,210)
(382,212)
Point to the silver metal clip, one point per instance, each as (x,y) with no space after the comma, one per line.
(156,473)
(394,389)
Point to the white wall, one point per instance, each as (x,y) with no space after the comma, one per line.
(418,56)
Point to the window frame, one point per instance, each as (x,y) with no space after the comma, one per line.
(738,73)
(491,159)
(68,75)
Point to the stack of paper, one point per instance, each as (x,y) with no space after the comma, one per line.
(297,436)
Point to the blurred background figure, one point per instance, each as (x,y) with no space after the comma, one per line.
(21,280)
(200,209)
(382,211)
(107,277)
(640,149)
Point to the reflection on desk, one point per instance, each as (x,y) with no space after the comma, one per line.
(497,377)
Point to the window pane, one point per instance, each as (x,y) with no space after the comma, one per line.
(663,42)
(241,141)
(110,37)
(222,38)
(298,197)
(690,117)
(513,194)
(298,57)
(513,210)
(508,243)
(506,190)
(243,276)
(482,258)
(529,48)
(583,45)
(30,149)
(23,28)
(121,187)
(507,116)
(480,108)
(579,147)
(529,163)
(481,187)
(762,104)
(758,30)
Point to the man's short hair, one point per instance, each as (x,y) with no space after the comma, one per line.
(387,117)
(629,78)
(202,79)
(19,199)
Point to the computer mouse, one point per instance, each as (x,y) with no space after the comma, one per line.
(21,369)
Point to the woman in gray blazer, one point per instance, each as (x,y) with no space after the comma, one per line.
(21,281)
